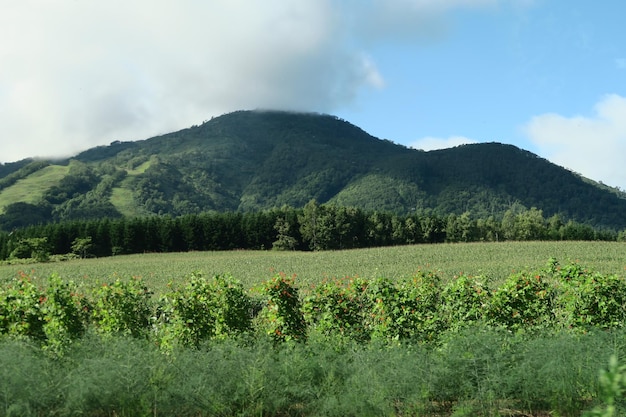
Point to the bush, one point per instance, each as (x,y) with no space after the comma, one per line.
(65,314)
(524,302)
(465,300)
(282,317)
(336,308)
(589,299)
(204,309)
(52,317)
(122,307)
(20,309)
(407,309)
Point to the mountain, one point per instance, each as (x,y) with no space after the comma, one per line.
(255,160)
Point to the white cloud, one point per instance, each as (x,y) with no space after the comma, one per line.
(76,74)
(432,143)
(594,146)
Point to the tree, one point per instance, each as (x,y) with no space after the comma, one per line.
(36,248)
(81,246)
(284,241)
(310,224)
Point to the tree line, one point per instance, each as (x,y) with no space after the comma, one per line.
(313,227)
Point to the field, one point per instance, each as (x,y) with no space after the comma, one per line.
(31,189)
(451,366)
(495,261)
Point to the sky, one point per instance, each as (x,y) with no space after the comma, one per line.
(548,76)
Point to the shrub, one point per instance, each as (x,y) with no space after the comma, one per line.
(465,300)
(202,310)
(408,309)
(65,313)
(53,317)
(589,299)
(282,317)
(122,307)
(524,301)
(20,309)
(336,308)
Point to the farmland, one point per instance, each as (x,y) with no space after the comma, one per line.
(425,330)
(495,261)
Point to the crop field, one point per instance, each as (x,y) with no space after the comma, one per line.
(494,261)
(541,339)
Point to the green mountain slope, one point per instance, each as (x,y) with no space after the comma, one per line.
(253,160)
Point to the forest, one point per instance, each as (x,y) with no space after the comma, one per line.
(313,227)
(260,161)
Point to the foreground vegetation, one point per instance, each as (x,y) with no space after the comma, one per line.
(347,346)
(478,372)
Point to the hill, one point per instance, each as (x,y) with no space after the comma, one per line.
(255,160)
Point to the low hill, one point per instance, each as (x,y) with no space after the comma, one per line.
(255,160)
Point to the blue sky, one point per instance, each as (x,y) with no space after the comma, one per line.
(546,75)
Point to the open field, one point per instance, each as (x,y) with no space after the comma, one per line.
(493,260)
(31,188)
(518,352)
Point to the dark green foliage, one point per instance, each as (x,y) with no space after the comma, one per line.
(316,227)
(255,161)
(21,214)
(36,248)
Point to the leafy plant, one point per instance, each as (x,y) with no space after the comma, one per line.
(122,307)
(524,301)
(20,309)
(205,308)
(405,309)
(53,316)
(465,300)
(65,313)
(336,308)
(612,383)
(282,317)
(590,299)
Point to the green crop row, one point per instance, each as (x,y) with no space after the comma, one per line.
(417,309)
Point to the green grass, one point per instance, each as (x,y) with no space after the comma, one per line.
(140,169)
(122,200)
(122,196)
(32,188)
(493,260)
(481,372)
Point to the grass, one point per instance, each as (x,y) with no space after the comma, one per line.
(122,196)
(496,261)
(478,373)
(32,188)
(122,200)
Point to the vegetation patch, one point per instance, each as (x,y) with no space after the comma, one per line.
(349,347)
(32,188)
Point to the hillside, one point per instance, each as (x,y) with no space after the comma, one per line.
(252,160)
